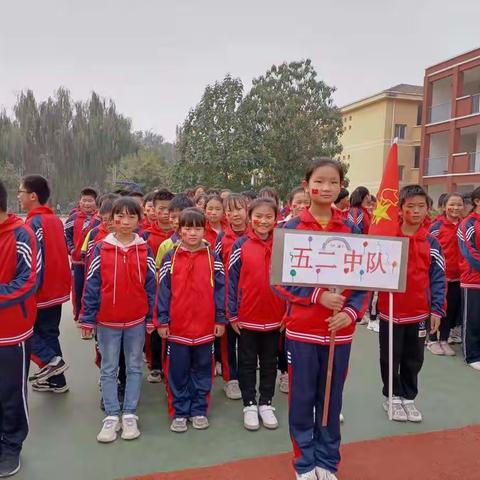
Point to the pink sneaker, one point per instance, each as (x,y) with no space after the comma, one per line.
(435,348)
(447,349)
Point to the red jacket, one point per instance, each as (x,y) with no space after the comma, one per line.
(76,228)
(19,265)
(305,316)
(210,236)
(225,240)
(446,233)
(251,301)
(154,236)
(120,285)
(426,282)
(55,280)
(191,295)
(469,242)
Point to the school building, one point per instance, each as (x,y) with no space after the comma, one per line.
(450,154)
(369,127)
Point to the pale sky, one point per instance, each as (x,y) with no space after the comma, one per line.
(154,58)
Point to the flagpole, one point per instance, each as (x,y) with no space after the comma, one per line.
(390,356)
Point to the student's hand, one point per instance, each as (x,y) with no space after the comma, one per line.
(338,321)
(86,332)
(434,323)
(332,301)
(164,332)
(150,329)
(236,327)
(219,330)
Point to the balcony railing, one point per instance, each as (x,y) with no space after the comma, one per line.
(437,166)
(476,104)
(440,112)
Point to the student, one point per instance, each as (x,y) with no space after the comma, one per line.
(215,214)
(445,229)
(137,196)
(442,200)
(19,267)
(298,201)
(342,202)
(423,301)
(77,226)
(155,235)
(469,241)
(224,193)
(236,211)
(358,212)
(309,322)
(53,284)
(249,195)
(256,313)
(190,314)
(178,203)
(118,302)
(199,190)
(149,217)
(200,201)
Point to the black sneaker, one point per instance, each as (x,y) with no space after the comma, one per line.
(48,386)
(9,464)
(50,370)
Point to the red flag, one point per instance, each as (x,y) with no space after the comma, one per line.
(385,215)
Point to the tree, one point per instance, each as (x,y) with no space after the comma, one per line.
(291,119)
(211,145)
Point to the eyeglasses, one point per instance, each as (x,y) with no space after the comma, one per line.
(23,191)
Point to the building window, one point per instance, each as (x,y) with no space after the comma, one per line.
(416,158)
(348,156)
(349,127)
(400,130)
(419,114)
(401,168)
(350,118)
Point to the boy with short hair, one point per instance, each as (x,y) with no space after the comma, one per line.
(77,226)
(161,229)
(422,303)
(19,267)
(176,206)
(53,284)
(149,217)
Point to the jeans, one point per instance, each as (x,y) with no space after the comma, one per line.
(110,344)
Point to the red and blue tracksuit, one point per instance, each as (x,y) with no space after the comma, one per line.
(258,311)
(54,285)
(77,227)
(446,233)
(360,217)
(190,301)
(424,295)
(228,343)
(469,242)
(307,344)
(20,264)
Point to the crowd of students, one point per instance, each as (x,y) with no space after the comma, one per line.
(181,282)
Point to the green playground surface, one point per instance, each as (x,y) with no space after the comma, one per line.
(63,427)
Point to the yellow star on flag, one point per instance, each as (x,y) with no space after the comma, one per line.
(381,212)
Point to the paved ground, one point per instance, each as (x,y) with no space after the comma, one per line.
(62,443)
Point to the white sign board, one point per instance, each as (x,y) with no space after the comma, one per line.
(329,259)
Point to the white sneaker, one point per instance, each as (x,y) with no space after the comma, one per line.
(398,412)
(284,386)
(374,326)
(232,390)
(179,425)
(311,475)
(323,474)
(268,417)
(250,418)
(413,414)
(475,365)
(130,429)
(200,422)
(342,418)
(108,433)
(455,335)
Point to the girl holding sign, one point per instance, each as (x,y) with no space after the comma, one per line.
(310,320)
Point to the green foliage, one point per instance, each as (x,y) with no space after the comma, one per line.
(271,134)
